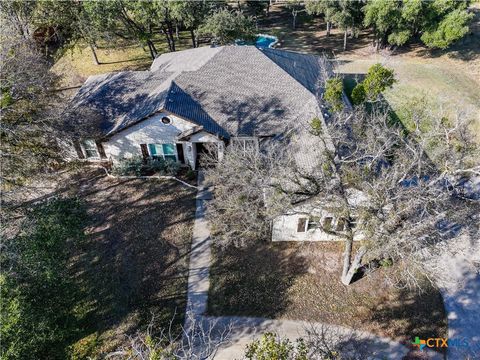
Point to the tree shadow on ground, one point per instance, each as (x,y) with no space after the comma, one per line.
(253,280)
(134,262)
(310,33)
(410,307)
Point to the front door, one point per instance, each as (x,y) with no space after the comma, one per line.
(181,156)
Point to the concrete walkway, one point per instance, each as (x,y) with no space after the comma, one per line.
(200,256)
(463,312)
(245,329)
(459,284)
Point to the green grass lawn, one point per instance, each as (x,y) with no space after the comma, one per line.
(77,64)
(440,86)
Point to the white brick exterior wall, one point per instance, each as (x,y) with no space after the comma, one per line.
(126,143)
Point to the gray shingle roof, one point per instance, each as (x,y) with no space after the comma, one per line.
(236,90)
(246,93)
(123,98)
(182,104)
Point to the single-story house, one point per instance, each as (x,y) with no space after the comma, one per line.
(191,98)
(202,98)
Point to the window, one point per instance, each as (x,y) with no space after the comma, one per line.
(341,224)
(166,120)
(90,148)
(313,222)
(164,151)
(245,144)
(327,223)
(352,223)
(302,225)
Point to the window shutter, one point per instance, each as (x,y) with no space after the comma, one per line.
(144,151)
(101,150)
(78,149)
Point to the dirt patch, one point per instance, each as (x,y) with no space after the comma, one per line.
(302,282)
(134,262)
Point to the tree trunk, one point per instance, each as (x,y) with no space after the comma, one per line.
(172,39)
(167,36)
(329,27)
(345,40)
(94,54)
(153,50)
(349,269)
(177,32)
(192,35)
(171,43)
(294,13)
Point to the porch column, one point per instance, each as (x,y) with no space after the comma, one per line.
(220,149)
(191,154)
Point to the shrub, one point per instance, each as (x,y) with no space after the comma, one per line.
(333,93)
(156,165)
(270,347)
(386,262)
(190,175)
(128,166)
(358,94)
(171,167)
(162,167)
(378,79)
(316,126)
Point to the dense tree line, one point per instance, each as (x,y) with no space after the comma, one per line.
(115,20)
(436,23)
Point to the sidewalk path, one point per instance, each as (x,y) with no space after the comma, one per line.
(246,329)
(463,312)
(200,256)
(460,288)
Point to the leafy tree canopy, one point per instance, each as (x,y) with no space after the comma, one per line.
(438,23)
(37,294)
(333,93)
(452,28)
(225,27)
(377,80)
